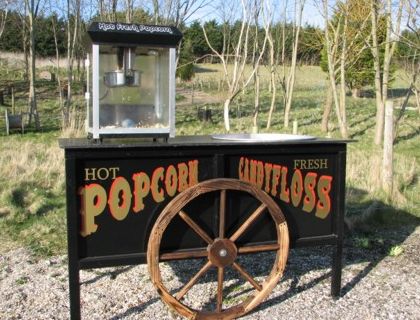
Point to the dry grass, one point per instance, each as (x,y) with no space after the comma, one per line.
(17,59)
(32,161)
(32,193)
(76,127)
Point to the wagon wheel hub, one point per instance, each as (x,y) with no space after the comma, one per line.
(222,252)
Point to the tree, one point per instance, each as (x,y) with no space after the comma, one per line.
(197,43)
(176,12)
(351,61)
(185,70)
(234,54)
(73,35)
(412,41)
(345,44)
(310,45)
(359,67)
(382,70)
(4,11)
(31,9)
(332,34)
(268,20)
(11,40)
(408,54)
(289,74)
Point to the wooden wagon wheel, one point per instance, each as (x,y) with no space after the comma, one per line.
(221,251)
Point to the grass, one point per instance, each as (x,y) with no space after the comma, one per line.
(32,202)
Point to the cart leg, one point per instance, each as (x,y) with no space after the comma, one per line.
(336,270)
(74,286)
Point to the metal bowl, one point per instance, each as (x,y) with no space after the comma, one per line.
(119,78)
(261,137)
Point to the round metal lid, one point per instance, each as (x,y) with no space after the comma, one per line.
(262,137)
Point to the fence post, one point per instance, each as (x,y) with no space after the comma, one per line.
(295,127)
(12,92)
(387,161)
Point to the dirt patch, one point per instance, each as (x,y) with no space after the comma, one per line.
(196,97)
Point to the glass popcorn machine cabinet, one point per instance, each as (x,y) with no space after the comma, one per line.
(131,80)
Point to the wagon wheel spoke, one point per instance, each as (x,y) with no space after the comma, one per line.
(247,276)
(193,280)
(190,254)
(222,214)
(259,248)
(248,222)
(195,227)
(182,254)
(220,275)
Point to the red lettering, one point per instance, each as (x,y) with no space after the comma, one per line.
(260,174)
(323,206)
(297,187)
(268,167)
(284,190)
(309,185)
(275,179)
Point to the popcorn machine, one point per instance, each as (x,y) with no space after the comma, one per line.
(131,80)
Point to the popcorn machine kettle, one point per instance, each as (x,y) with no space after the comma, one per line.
(131,80)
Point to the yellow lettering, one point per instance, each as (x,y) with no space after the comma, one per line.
(182,177)
(157,192)
(119,198)
(193,172)
(171,181)
(90,174)
(275,179)
(141,190)
(93,202)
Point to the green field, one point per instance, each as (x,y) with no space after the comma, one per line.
(32,202)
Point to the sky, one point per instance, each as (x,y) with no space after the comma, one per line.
(311,14)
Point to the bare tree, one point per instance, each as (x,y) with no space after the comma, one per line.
(4,10)
(289,76)
(129,7)
(108,10)
(31,9)
(256,65)
(234,62)
(382,70)
(73,31)
(344,45)
(410,58)
(176,12)
(268,17)
(413,68)
(327,107)
(57,67)
(332,35)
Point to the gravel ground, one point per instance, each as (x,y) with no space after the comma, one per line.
(375,285)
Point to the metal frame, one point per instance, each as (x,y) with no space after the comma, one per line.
(95,91)
(172,71)
(76,152)
(97,132)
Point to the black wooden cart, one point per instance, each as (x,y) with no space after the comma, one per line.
(200,198)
